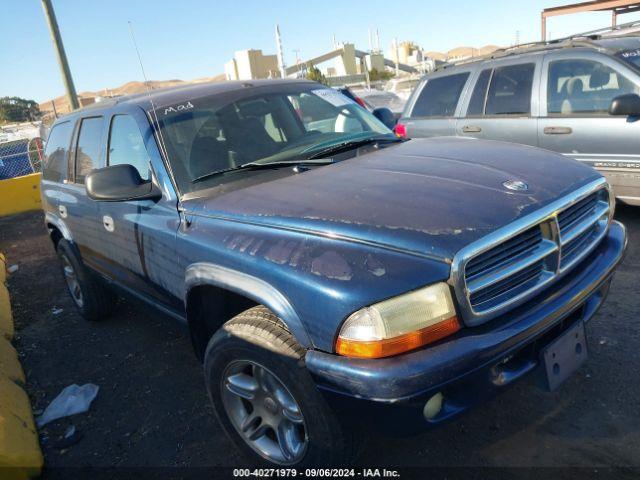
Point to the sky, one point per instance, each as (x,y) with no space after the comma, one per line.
(187,39)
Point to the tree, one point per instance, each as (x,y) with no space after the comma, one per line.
(375,75)
(314,74)
(16,109)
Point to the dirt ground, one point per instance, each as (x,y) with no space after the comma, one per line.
(152,409)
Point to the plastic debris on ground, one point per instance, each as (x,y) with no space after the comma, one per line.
(72,400)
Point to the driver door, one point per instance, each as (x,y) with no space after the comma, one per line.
(141,234)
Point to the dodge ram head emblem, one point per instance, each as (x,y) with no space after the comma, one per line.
(516,185)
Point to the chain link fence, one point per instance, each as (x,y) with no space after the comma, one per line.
(20,157)
(21,153)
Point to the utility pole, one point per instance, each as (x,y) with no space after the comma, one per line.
(397,52)
(280,55)
(62,56)
(297,52)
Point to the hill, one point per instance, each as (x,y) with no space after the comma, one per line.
(129,88)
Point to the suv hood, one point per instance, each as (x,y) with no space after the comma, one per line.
(428,197)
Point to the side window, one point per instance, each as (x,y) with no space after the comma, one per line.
(476,104)
(55,167)
(126,145)
(88,147)
(440,96)
(510,90)
(583,86)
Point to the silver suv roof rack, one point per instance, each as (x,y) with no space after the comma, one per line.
(584,39)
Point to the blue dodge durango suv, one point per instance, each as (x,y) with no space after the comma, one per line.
(331,275)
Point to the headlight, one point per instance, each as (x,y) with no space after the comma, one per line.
(400,324)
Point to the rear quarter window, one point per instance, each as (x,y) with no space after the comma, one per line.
(439,97)
(56,152)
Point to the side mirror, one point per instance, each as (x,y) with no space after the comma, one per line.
(627,105)
(386,116)
(120,183)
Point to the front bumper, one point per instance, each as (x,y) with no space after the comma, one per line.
(474,364)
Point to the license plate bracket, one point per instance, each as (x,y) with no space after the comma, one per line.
(562,357)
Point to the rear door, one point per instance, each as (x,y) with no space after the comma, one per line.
(577,91)
(434,107)
(501,105)
(79,212)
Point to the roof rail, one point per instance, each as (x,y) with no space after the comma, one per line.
(585,39)
(601,31)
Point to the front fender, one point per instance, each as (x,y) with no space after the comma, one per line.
(204,273)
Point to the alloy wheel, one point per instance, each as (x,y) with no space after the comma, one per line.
(73,284)
(264,412)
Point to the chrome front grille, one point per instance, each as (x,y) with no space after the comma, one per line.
(582,224)
(517,263)
(510,265)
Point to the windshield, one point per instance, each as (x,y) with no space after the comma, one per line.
(226,131)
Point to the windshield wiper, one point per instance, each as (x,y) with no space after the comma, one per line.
(351,144)
(260,166)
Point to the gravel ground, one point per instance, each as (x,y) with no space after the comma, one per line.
(152,409)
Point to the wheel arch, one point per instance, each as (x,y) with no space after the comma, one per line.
(57,229)
(223,279)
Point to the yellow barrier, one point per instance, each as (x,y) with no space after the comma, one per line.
(20,454)
(6,319)
(20,194)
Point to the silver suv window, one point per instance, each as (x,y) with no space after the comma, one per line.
(479,97)
(510,90)
(439,97)
(579,86)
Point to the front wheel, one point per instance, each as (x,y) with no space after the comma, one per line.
(265,399)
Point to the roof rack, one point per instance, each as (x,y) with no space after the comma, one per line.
(585,39)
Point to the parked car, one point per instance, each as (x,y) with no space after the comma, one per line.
(556,96)
(331,275)
(381,99)
(403,87)
(347,92)
(384,106)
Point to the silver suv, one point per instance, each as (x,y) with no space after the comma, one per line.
(557,95)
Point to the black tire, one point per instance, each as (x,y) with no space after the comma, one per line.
(96,301)
(257,335)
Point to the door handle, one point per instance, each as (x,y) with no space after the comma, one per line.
(557,130)
(471,129)
(63,211)
(107,221)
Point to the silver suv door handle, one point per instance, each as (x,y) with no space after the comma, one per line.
(471,129)
(107,221)
(557,130)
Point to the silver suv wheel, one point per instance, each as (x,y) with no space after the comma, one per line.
(264,412)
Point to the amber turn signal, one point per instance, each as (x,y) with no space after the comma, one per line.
(402,343)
